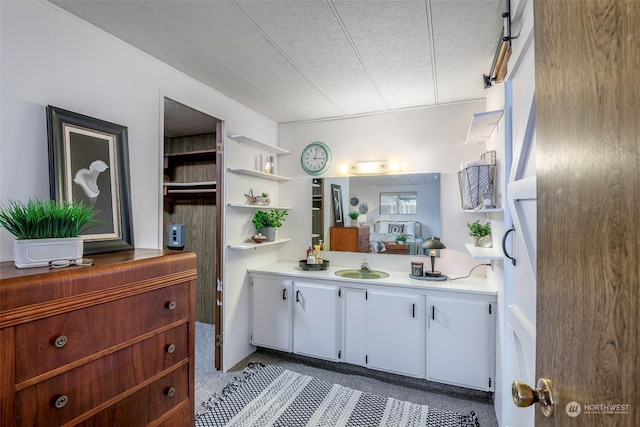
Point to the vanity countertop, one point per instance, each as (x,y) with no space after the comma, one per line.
(396,278)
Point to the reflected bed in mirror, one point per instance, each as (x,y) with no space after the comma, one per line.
(403,211)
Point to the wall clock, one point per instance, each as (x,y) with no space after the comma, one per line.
(316,158)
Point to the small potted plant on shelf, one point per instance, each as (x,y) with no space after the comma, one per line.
(263,199)
(45,230)
(354,218)
(268,222)
(481,233)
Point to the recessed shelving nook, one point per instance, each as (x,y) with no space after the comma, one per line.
(268,148)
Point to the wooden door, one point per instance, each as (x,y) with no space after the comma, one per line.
(588,186)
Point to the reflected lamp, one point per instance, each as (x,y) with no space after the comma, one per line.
(433,244)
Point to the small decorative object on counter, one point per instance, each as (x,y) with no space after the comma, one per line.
(317,254)
(313,267)
(259,238)
(417,268)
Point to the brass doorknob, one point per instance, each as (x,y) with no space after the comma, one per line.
(523,395)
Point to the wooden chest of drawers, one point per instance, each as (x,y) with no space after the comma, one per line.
(104,345)
(349,239)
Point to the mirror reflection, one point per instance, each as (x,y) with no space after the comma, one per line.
(392,214)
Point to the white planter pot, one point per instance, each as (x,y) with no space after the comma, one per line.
(38,252)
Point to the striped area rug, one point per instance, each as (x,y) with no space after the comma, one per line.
(273,396)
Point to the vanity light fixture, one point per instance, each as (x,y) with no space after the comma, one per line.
(375,167)
(433,244)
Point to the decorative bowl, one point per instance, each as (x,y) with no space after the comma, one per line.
(259,238)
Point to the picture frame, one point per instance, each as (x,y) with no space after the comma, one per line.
(336,198)
(89,163)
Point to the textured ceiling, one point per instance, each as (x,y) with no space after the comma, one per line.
(295,60)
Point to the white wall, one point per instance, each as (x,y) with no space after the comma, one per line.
(50,57)
(423,140)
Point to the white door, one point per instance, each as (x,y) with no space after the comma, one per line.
(460,345)
(271,313)
(395,336)
(315,320)
(520,243)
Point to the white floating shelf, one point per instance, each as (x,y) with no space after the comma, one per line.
(238,205)
(259,174)
(249,244)
(484,210)
(482,126)
(268,147)
(484,253)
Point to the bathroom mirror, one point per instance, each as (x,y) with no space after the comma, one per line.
(417,221)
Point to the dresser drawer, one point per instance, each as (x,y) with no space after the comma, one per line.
(150,403)
(46,344)
(96,382)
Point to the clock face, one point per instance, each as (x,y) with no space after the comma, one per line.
(316,158)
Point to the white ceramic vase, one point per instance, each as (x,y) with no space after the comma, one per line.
(38,252)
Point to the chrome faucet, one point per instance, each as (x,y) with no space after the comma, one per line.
(365,265)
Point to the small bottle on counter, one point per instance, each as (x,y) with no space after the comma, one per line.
(317,254)
(311,258)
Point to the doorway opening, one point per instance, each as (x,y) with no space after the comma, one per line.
(192,205)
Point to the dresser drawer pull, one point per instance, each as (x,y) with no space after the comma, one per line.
(60,341)
(171,305)
(170,392)
(60,402)
(171,348)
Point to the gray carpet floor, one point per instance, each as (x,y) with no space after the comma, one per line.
(208,381)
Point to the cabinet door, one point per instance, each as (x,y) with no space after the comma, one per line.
(396,332)
(315,320)
(459,342)
(355,324)
(271,313)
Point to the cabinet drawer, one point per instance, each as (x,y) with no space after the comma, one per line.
(40,346)
(149,404)
(96,382)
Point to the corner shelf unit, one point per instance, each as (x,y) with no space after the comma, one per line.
(238,205)
(484,253)
(244,140)
(484,210)
(249,244)
(258,174)
(482,126)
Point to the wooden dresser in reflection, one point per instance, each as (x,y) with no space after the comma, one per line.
(110,344)
(349,239)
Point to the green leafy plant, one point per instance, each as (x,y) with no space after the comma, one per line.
(479,230)
(354,215)
(264,195)
(273,218)
(45,219)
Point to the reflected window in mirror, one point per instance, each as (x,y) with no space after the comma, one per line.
(400,203)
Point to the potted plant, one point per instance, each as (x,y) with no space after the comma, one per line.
(263,199)
(45,230)
(268,222)
(481,233)
(354,217)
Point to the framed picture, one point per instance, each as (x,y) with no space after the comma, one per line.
(336,192)
(89,163)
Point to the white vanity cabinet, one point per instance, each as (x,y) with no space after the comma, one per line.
(395,332)
(271,309)
(461,340)
(316,320)
(442,332)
